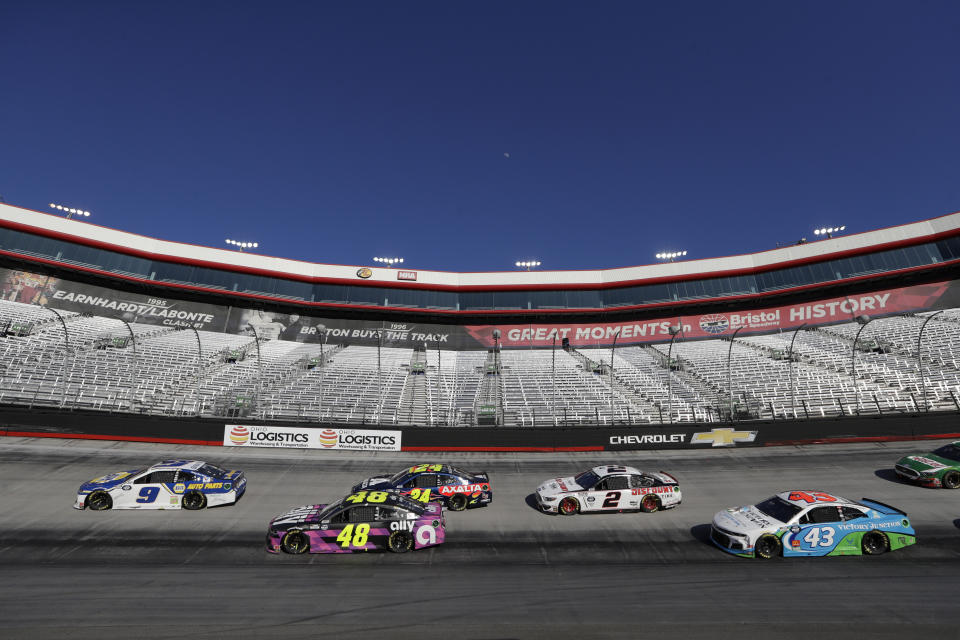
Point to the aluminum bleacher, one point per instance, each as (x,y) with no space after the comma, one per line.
(64,359)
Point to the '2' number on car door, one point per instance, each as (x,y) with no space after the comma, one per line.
(611,500)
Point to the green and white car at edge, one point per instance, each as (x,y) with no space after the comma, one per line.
(939,468)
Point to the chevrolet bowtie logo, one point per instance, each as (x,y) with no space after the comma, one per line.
(723,437)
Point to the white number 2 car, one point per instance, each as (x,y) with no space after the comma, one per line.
(170,484)
(609,488)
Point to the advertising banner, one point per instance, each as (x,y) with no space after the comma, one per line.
(31,288)
(762,320)
(238,435)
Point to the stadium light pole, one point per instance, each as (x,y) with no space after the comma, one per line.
(496,366)
(553,376)
(256,341)
(379,378)
(730,373)
(613,350)
(323,339)
(829,231)
(527,264)
(242,245)
(136,368)
(923,377)
(388,261)
(863,320)
(439,389)
(793,407)
(670,256)
(66,356)
(199,367)
(674,331)
(70,211)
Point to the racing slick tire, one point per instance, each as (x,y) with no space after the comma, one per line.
(400,542)
(99,501)
(457,502)
(193,501)
(874,543)
(568,507)
(767,546)
(295,542)
(650,503)
(951,480)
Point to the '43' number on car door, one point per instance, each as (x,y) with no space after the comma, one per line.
(818,537)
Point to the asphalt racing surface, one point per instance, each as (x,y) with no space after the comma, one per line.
(506,571)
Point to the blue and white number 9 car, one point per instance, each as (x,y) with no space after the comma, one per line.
(811,523)
(170,484)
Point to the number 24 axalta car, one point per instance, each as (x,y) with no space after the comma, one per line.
(170,484)
(811,523)
(455,489)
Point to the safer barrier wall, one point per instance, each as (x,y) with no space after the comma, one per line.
(17,421)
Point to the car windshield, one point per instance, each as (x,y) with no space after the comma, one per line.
(950,452)
(399,477)
(587,479)
(212,471)
(329,509)
(778,509)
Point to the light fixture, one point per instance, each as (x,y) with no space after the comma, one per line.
(829,231)
(242,245)
(70,211)
(671,255)
(388,261)
(528,264)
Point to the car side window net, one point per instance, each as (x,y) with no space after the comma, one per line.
(426,480)
(363,514)
(618,482)
(850,513)
(822,515)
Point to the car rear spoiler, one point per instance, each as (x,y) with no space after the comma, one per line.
(881,506)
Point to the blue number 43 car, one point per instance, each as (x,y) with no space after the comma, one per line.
(170,484)
(811,523)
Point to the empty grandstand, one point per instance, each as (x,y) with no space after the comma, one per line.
(102,320)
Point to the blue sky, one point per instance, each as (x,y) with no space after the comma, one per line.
(334,132)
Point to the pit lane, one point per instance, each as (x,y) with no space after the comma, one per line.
(507,571)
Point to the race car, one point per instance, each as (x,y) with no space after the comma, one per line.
(453,488)
(609,488)
(811,523)
(940,468)
(169,484)
(362,521)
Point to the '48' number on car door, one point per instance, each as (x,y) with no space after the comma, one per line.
(358,538)
(819,537)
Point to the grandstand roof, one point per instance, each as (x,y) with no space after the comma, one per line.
(156,249)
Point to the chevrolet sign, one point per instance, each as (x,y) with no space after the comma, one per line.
(650,438)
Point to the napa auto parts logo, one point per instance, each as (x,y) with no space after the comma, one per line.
(310,438)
